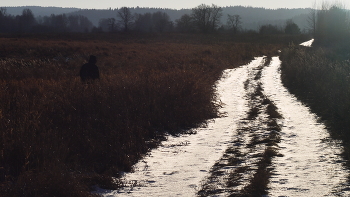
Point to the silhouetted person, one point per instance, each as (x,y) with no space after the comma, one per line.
(89,71)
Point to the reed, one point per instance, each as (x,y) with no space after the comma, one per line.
(319,77)
(60,137)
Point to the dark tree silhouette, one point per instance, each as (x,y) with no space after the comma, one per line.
(312,19)
(143,22)
(112,26)
(234,22)
(59,22)
(26,20)
(291,28)
(270,29)
(78,23)
(3,20)
(206,18)
(185,23)
(161,21)
(332,25)
(125,18)
(3,13)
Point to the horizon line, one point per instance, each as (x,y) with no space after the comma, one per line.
(110,8)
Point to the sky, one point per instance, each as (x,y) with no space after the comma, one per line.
(173,4)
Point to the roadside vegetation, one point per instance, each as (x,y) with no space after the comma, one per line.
(319,75)
(61,137)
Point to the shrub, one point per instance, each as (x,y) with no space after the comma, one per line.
(319,77)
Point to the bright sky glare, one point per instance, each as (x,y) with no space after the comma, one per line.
(174,4)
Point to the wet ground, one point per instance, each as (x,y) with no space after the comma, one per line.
(180,164)
(312,165)
(250,150)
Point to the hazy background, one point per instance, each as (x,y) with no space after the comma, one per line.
(253,13)
(174,4)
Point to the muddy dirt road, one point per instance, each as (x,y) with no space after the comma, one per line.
(267,143)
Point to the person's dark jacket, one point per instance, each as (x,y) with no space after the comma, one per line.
(89,71)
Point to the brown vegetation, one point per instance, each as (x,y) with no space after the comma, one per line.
(319,75)
(59,137)
(320,78)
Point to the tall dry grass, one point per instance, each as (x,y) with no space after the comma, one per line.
(60,137)
(320,77)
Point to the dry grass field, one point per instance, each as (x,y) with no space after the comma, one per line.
(60,137)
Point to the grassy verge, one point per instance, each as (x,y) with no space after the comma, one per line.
(60,137)
(319,77)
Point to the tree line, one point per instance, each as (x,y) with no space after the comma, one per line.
(330,24)
(203,18)
(27,23)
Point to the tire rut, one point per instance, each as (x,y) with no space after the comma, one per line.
(245,167)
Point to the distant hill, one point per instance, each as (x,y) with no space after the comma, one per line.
(95,15)
(252,18)
(40,11)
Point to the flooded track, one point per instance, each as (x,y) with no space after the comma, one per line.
(308,161)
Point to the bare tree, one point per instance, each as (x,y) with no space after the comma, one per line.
(6,22)
(26,20)
(332,24)
(234,22)
(59,22)
(143,22)
(125,18)
(160,20)
(185,23)
(216,14)
(200,15)
(3,12)
(312,19)
(85,24)
(111,24)
(206,18)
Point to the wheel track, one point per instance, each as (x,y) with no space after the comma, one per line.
(244,169)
